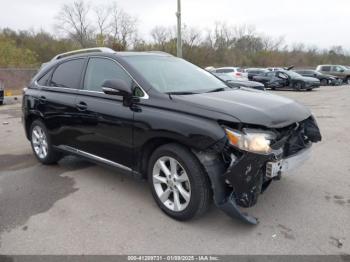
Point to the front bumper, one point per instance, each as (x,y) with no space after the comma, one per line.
(285,165)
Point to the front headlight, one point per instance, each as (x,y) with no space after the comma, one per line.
(252,140)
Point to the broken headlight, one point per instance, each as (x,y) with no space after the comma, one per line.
(252,140)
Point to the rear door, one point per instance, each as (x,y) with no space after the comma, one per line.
(56,99)
(105,124)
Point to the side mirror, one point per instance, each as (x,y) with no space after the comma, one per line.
(116,87)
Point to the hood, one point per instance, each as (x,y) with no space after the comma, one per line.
(250,107)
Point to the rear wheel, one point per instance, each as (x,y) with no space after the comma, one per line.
(178,182)
(41,144)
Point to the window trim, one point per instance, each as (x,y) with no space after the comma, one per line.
(145,96)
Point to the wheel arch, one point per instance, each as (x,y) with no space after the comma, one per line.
(28,123)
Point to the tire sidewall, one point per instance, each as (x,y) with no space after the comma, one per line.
(194,203)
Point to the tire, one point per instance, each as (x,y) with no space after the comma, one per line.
(324,82)
(41,144)
(196,182)
(298,86)
(347,81)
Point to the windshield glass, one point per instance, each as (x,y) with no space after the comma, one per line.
(291,73)
(170,74)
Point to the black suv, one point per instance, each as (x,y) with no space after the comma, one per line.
(161,118)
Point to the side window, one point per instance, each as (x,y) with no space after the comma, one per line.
(224,70)
(68,74)
(44,80)
(326,68)
(337,69)
(270,74)
(100,70)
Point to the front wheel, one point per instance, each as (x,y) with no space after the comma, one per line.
(41,144)
(178,182)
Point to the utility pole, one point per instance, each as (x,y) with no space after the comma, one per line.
(179,41)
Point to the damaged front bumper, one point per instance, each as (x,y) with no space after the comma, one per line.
(239,183)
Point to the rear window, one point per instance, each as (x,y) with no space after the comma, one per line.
(68,74)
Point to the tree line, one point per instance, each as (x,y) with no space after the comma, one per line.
(82,25)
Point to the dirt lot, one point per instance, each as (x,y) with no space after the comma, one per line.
(80,208)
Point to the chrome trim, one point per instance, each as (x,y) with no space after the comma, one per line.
(94,157)
(94,49)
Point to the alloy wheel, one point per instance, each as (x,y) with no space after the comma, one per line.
(171,183)
(39,142)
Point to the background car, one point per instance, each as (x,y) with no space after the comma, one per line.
(335,70)
(255,71)
(287,79)
(238,82)
(324,79)
(235,71)
(1,93)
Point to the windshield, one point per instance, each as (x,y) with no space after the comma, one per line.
(170,74)
(291,73)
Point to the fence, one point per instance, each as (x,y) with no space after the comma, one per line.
(15,79)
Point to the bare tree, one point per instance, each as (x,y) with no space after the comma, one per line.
(161,35)
(103,15)
(191,36)
(123,27)
(73,20)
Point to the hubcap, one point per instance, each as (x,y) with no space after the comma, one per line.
(171,183)
(39,142)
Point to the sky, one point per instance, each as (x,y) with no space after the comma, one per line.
(321,23)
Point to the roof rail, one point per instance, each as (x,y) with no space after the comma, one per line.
(159,52)
(82,51)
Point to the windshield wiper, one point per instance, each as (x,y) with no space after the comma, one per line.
(216,90)
(181,93)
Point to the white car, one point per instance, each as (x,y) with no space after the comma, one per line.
(234,71)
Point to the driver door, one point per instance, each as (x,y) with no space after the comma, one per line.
(105,123)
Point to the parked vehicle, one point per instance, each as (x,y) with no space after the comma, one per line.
(335,70)
(1,93)
(324,79)
(234,71)
(162,118)
(237,82)
(255,72)
(287,79)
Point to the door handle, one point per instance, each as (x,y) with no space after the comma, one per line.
(42,100)
(81,106)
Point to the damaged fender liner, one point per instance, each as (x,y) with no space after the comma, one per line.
(246,176)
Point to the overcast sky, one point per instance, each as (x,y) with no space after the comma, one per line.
(323,23)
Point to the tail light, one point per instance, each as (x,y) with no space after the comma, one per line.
(238,74)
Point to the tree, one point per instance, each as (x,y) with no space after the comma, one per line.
(73,21)
(10,55)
